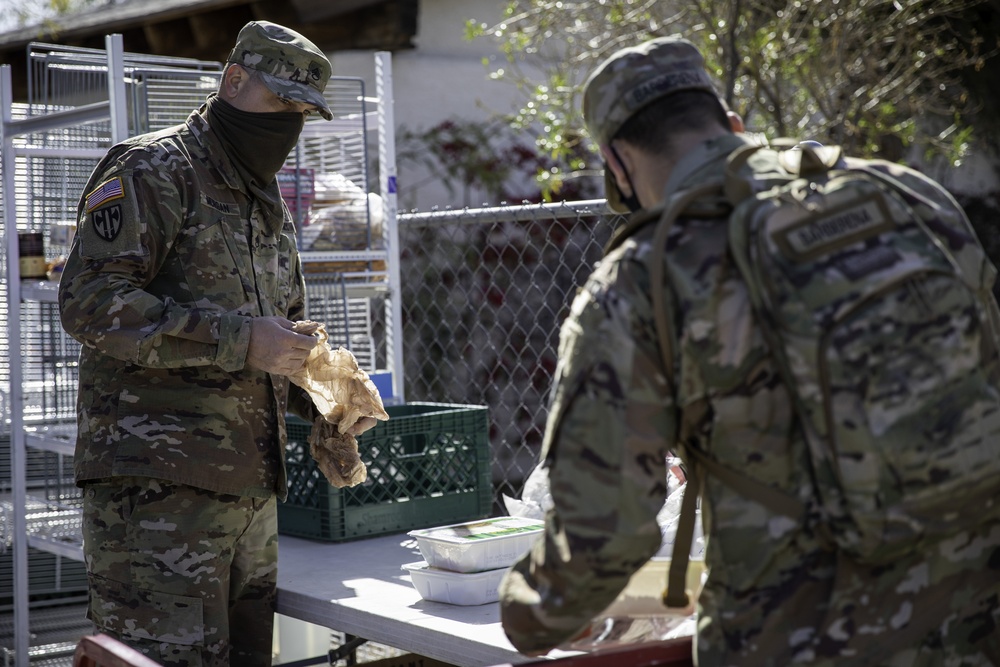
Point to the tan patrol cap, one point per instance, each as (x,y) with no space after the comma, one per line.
(630,79)
(289,64)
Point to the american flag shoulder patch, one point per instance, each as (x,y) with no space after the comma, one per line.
(109,190)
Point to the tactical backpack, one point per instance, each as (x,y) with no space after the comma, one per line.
(880,317)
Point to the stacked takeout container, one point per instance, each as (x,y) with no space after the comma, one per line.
(464,562)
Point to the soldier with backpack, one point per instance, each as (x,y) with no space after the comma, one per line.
(817,338)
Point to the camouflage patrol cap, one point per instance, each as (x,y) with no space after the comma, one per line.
(630,79)
(289,64)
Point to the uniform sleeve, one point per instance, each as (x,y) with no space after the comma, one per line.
(605,444)
(129,217)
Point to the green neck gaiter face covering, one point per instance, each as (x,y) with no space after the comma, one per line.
(257,143)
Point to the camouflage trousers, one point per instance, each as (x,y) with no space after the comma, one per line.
(185,575)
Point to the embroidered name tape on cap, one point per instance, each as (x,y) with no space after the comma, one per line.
(107,191)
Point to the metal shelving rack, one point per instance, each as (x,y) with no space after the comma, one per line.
(37,144)
(81,102)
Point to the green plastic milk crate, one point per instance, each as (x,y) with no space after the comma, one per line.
(428,465)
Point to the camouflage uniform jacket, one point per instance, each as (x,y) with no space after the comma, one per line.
(774,595)
(172,259)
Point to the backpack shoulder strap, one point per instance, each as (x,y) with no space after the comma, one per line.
(677,205)
(775,168)
(742,181)
(636,222)
(675,594)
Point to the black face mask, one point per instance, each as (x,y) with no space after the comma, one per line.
(631,202)
(257,143)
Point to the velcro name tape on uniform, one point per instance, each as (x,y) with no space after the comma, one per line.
(109,190)
(813,236)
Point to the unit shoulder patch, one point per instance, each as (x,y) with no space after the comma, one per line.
(107,222)
(110,225)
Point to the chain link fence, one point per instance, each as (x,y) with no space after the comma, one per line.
(484,292)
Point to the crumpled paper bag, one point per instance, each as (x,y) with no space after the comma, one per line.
(343,394)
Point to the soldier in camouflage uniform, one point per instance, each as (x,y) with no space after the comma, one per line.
(774,594)
(182,285)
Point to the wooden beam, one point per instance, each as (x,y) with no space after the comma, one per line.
(215,32)
(388,25)
(318,10)
(168,37)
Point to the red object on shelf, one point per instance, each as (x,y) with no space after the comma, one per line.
(298,189)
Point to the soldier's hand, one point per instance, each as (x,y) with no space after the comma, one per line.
(275,348)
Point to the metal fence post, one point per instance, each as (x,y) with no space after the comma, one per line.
(116,87)
(387,184)
(18,466)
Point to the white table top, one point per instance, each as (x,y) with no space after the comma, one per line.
(359,588)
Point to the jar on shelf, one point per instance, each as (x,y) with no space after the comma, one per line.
(31,254)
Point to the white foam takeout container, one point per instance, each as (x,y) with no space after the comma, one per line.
(476,546)
(459,588)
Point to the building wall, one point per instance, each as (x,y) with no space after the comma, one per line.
(442,78)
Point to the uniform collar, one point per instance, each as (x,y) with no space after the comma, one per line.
(269,197)
(695,167)
(690,168)
(214,153)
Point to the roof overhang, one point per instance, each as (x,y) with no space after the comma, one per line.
(206,29)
